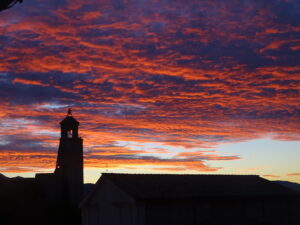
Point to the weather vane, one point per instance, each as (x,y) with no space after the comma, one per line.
(6,4)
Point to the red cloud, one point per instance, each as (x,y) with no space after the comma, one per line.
(149,72)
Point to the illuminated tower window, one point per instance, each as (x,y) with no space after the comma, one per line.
(70,133)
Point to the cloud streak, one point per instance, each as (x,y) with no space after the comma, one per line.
(184,75)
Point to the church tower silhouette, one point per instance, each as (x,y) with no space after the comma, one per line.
(69,164)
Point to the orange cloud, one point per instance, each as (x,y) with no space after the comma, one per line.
(29,82)
(270,176)
(293,174)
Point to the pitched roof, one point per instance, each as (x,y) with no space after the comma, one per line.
(159,186)
(69,120)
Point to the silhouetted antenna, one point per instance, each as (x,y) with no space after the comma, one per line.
(6,4)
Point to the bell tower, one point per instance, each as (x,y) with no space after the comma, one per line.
(69,164)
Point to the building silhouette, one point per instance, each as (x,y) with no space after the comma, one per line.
(162,199)
(69,164)
(49,198)
(140,199)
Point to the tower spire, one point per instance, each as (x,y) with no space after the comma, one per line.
(69,112)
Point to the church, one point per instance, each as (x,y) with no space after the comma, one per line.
(141,199)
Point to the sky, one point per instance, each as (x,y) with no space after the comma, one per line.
(158,86)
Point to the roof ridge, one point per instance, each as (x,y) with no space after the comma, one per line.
(181,174)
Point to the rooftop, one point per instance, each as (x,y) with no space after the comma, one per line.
(160,186)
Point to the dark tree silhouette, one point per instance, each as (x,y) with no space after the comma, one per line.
(6,4)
